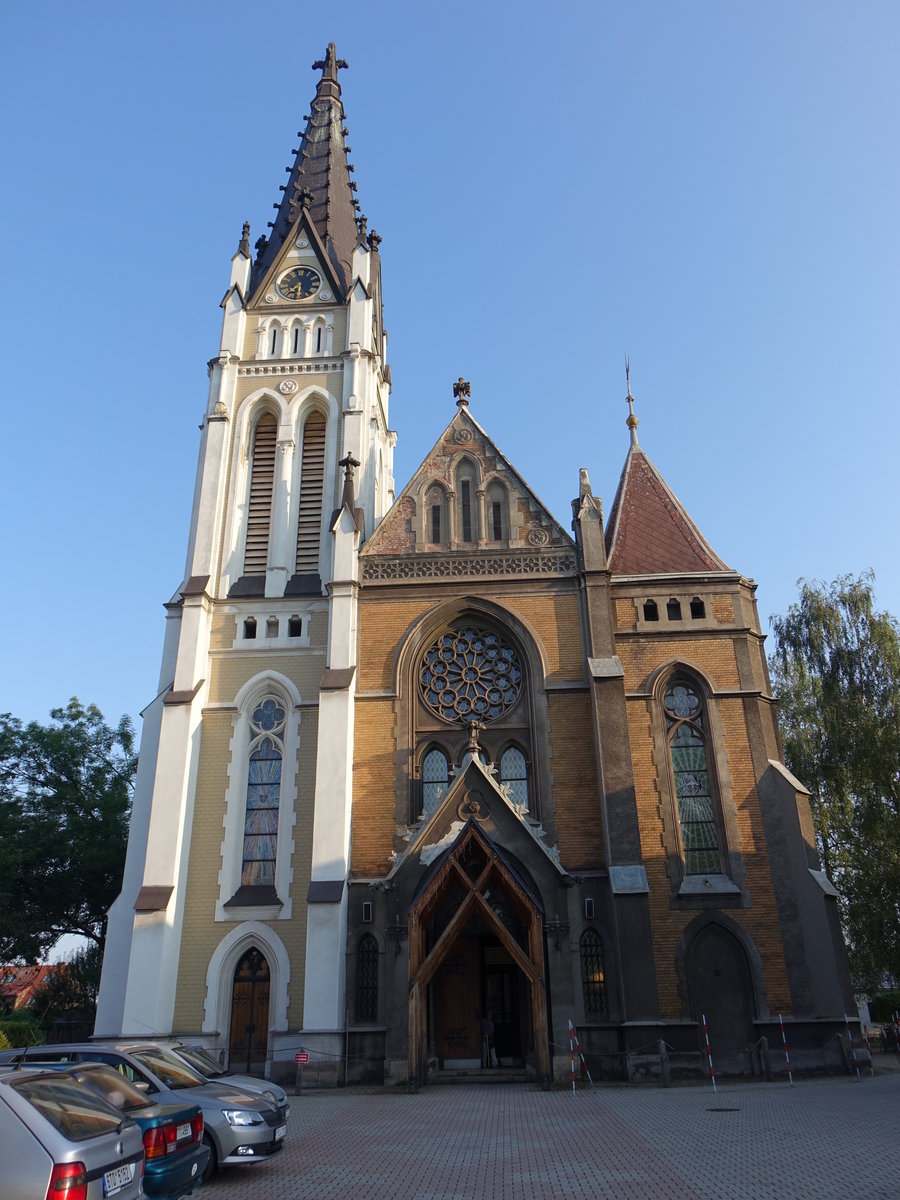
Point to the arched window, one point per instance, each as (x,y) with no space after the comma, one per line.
(367,979)
(259,511)
(435,780)
(693,787)
(312,486)
(513,773)
(466,499)
(436,517)
(673,610)
(263,794)
(592,979)
(698,609)
(651,612)
(496,514)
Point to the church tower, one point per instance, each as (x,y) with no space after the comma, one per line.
(429,781)
(240,831)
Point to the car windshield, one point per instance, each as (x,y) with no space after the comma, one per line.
(114,1088)
(171,1071)
(201,1061)
(77,1113)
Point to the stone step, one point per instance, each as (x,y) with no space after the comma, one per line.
(478,1075)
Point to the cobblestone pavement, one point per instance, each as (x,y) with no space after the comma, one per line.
(822,1139)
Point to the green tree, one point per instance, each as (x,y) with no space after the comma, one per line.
(65,799)
(836,670)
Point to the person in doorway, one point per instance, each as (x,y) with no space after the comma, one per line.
(488,1053)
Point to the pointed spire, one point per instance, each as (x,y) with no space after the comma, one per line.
(348,497)
(631,420)
(244,244)
(319,181)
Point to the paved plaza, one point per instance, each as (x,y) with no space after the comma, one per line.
(821,1139)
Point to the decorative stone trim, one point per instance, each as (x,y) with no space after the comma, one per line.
(451,566)
(314,366)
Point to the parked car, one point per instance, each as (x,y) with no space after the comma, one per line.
(60,1139)
(175,1155)
(201,1060)
(239,1126)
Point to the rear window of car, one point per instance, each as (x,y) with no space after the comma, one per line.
(77,1113)
(173,1073)
(113,1087)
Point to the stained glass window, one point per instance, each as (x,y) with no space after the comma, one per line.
(367,979)
(263,794)
(592,978)
(434,780)
(513,773)
(690,772)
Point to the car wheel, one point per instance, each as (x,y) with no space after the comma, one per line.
(212,1165)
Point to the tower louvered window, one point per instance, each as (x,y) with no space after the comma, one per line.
(259,515)
(312,485)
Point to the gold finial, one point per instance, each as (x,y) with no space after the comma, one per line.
(631,420)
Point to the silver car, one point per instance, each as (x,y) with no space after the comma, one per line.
(239,1126)
(201,1060)
(61,1139)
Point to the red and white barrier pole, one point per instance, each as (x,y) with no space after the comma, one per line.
(787,1057)
(573,1034)
(852,1047)
(572,1053)
(712,1073)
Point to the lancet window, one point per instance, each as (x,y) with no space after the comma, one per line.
(267,723)
(689,756)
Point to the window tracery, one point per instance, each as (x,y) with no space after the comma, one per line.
(267,723)
(470,674)
(688,753)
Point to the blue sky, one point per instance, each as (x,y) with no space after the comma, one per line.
(711,187)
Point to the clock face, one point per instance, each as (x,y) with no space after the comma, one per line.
(299,283)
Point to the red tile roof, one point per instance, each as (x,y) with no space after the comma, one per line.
(649,532)
(19,984)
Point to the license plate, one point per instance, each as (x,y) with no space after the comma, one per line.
(280,1132)
(183,1131)
(117,1178)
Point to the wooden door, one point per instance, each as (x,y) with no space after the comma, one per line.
(249,1041)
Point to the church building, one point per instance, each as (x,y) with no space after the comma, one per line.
(429,767)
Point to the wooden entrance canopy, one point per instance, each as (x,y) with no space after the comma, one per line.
(423,965)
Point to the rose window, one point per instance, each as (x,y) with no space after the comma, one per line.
(470,675)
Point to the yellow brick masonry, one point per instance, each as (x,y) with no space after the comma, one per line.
(202,933)
(374,772)
(716,657)
(576,790)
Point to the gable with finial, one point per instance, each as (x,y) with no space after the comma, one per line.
(467,513)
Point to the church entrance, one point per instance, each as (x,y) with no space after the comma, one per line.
(476,956)
(721,990)
(249,1040)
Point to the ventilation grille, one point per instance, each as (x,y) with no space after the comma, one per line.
(259,516)
(312,483)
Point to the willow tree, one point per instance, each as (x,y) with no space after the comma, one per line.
(836,670)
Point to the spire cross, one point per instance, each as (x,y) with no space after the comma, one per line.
(330,64)
(631,420)
(462,389)
(348,464)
